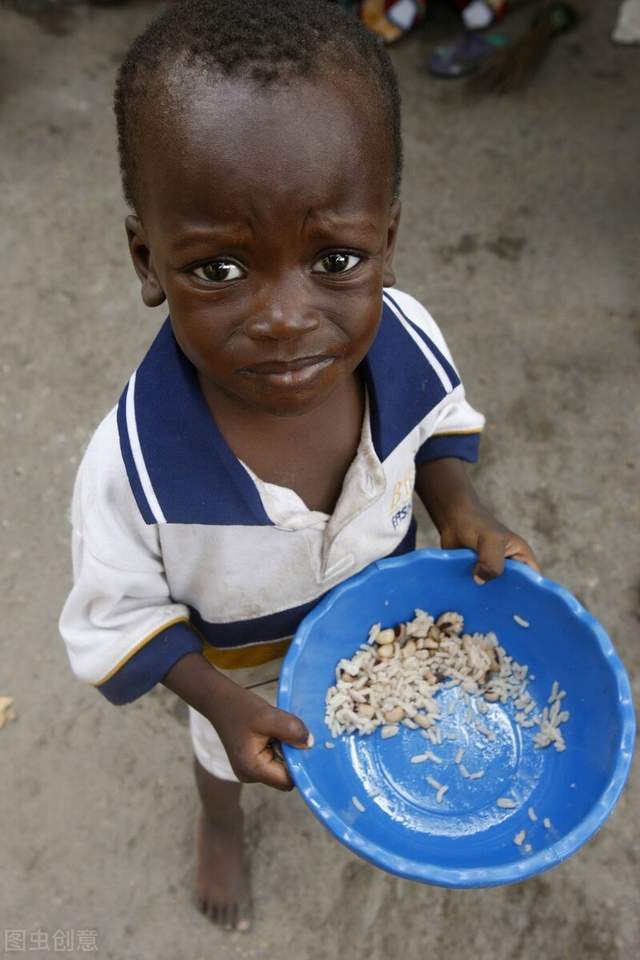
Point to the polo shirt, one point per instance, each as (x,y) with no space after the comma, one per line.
(178,546)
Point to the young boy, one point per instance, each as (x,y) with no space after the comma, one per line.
(268,445)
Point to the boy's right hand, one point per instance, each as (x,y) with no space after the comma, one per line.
(250,730)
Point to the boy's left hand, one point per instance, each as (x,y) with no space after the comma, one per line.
(473,526)
(462,520)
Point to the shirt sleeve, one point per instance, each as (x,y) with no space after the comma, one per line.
(455,427)
(122,630)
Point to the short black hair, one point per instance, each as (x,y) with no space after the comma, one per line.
(265,40)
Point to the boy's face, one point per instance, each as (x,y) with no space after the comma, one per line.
(267,222)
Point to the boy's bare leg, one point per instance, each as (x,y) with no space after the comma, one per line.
(222,879)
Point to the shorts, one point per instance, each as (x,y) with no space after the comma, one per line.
(207,745)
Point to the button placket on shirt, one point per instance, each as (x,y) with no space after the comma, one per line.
(371,483)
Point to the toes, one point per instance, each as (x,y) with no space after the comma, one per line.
(229,916)
(225,915)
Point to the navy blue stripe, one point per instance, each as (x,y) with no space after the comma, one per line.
(463,446)
(274,626)
(239,633)
(402,385)
(127,456)
(446,365)
(151,664)
(194,474)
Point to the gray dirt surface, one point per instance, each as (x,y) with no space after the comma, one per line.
(521,235)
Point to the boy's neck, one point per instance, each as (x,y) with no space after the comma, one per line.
(238,419)
(309,453)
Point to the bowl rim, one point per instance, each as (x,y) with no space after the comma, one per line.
(422,871)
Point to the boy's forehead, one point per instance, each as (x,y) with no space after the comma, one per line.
(298,135)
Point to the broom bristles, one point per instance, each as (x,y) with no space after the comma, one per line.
(511,68)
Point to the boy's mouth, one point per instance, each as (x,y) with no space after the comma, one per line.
(293,373)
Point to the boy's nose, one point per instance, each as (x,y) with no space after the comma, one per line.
(283,314)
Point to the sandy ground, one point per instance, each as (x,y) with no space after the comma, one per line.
(520,233)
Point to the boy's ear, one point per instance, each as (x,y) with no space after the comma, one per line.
(389,277)
(152,292)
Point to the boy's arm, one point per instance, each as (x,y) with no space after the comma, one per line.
(462,520)
(451,438)
(246,724)
(124,632)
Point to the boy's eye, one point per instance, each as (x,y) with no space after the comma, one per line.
(219,271)
(338,262)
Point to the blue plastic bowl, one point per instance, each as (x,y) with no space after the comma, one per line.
(466,840)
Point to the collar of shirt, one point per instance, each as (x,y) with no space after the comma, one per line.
(181,469)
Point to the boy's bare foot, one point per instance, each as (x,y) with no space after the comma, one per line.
(222,883)
(222,880)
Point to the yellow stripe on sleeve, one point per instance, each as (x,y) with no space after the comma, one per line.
(239,658)
(456,433)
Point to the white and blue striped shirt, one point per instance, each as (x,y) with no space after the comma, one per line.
(179,547)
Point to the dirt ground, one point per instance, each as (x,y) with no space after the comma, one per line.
(521,235)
